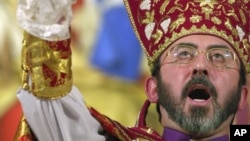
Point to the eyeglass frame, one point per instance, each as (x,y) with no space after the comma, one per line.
(206,52)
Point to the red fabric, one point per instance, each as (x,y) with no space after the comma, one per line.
(10,121)
(25,138)
(125,133)
(78,5)
(65,52)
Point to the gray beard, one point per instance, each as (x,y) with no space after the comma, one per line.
(197,122)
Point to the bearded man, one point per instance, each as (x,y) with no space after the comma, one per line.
(198,55)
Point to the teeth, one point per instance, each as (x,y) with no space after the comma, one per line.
(199,100)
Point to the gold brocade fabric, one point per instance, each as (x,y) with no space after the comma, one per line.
(23,132)
(46,67)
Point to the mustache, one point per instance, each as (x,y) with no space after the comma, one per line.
(201,80)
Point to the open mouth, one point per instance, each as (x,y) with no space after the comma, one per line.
(199,93)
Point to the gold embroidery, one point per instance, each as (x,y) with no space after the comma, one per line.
(111,126)
(48,68)
(145,138)
(246,45)
(243,17)
(23,130)
(195,18)
(231,13)
(209,3)
(163,6)
(179,7)
(216,20)
(156,1)
(157,36)
(207,11)
(231,1)
(149,17)
(228,24)
(175,24)
(230,27)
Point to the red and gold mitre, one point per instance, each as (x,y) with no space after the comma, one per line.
(159,23)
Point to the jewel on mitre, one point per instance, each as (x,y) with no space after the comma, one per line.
(241,33)
(149,29)
(145,5)
(165,24)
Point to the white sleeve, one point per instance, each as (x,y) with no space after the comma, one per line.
(64,119)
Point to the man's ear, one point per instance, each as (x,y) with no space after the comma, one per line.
(151,89)
(243,98)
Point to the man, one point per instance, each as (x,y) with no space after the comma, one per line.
(198,54)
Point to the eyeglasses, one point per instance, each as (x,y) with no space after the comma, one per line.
(220,58)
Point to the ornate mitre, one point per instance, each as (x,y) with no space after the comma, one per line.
(159,23)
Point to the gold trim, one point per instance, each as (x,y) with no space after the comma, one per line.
(132,20)
(47,65)
(23,131)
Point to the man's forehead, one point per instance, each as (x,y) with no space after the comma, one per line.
(201,40)
(197,46)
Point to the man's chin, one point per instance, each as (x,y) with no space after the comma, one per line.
(201,113)
(199,121)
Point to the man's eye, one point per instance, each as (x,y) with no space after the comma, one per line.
(218,58)
(184,55)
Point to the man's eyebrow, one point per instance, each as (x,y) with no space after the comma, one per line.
(218,46)
(187,44)
(209,47)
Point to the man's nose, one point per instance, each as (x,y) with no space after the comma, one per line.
(200,65)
